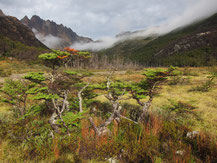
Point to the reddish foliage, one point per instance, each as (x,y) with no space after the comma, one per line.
(71,50)
(62,57)
(56,149)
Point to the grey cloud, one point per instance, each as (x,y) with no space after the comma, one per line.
(191,14)
(103,18)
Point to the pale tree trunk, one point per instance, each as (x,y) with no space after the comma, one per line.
(80,97)
(58,111)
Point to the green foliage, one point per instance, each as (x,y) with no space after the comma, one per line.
(48,56)
(44,96)
(14,92)
(149,85)
(50,59)
(195,58)
(84,54)
(10,48)
(72,119)
(118,88)
(61,53)
(33,111)
(79,73)
(36,89)
(207,85)
(178,78)
(180,107)
(71,72)
(36,77)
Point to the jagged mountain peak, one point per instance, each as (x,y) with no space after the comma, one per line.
(52,34)
(1,13)
(25,20)
(36,18)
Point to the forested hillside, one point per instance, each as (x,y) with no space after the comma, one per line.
(194,45)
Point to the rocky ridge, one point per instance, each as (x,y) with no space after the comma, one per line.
(45,28)
(208,38)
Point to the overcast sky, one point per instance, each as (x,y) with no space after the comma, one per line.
(102,18)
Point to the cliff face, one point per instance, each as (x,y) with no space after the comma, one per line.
(48,30)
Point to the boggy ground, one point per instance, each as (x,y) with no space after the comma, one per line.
(162,139)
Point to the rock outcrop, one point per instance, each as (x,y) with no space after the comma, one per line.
(47,30)
(194,41)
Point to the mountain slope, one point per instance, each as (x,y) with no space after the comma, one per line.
(18,40)
(194,45)
(1,13)
(52,34)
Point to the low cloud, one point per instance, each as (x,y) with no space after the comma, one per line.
(97,45)
(198,11)
(49,40)
(108,42)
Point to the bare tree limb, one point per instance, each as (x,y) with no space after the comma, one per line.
(53,122)
(59,112)
(94,126)
(128,119)
(80,97)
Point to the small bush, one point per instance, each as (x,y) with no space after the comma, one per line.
(209,84)
(179,107)
(203,88)
(188,72)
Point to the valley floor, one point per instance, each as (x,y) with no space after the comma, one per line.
(177,90)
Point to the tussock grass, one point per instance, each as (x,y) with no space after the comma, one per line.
(18,67)
(206,102)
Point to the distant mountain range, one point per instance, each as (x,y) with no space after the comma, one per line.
(51,34)
(26,38)
(193,45)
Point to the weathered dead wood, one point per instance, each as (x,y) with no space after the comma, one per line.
(80,97)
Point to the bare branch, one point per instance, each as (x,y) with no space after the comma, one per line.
(64,102)
(54,104)
(128,119)
(57,109)
(53,122)
(80,97)
(94,126)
